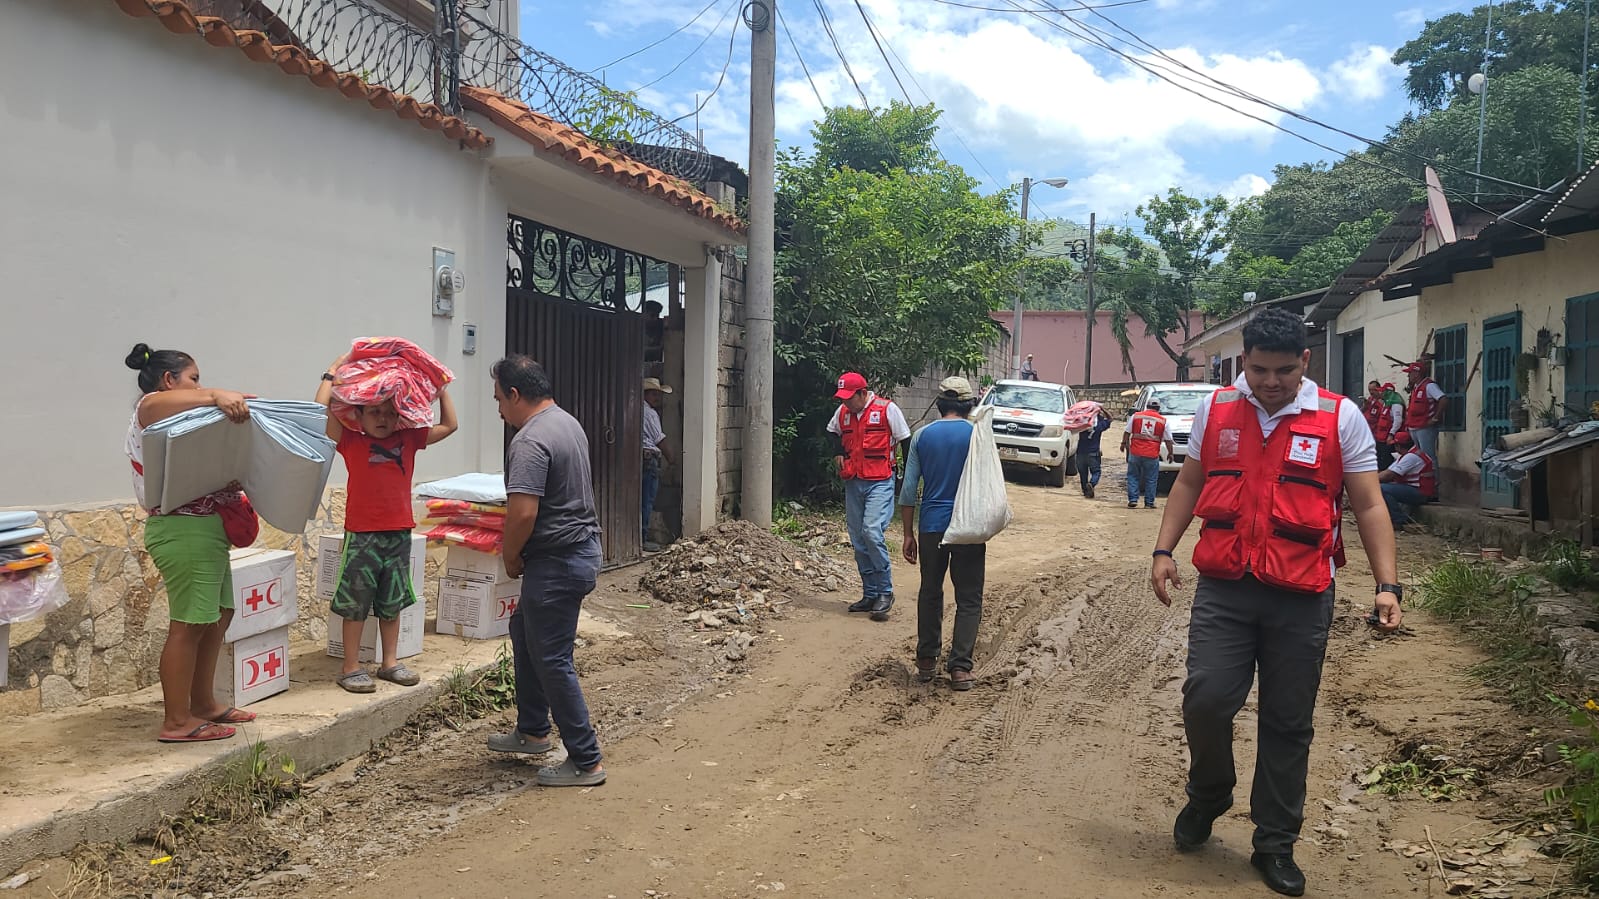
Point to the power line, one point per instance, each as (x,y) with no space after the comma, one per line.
(731,40)
(873,32)
(697,48)
(827,25)
(787,32)
(654,44)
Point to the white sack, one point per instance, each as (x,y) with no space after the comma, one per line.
(981,508)
(477,487)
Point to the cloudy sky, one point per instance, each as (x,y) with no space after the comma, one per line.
(1022,96)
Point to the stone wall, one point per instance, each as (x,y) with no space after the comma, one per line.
(1111,398)
(916,399)
(730,417)
(107,639)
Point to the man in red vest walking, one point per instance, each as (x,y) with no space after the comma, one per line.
(1425,412)
(1141,441)
(1411,481)
(867,428)
(1268,462)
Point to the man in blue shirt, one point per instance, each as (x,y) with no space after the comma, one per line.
(936,458)
(1088,455)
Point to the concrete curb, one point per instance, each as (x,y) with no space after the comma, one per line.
(315,746)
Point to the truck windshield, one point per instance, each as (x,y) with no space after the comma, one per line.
(1180,402)
(1036,399)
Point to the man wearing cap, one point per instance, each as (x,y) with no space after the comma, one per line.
(1028,372)
(866,428)
(1141,441)
(1426,409)
(1385,412)
(1410,482)
(936,459)
(655,451)
(1268,463)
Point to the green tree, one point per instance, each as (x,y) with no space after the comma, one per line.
(1526,33)
(1134,281)
(888,260)
(1192,232)
(1320,263)
(1308,201)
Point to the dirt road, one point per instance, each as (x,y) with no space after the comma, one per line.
(819,768)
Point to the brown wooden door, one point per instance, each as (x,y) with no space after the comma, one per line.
(595,358)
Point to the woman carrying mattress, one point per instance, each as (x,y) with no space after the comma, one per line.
(190,548)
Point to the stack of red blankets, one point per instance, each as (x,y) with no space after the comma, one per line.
(383,368)
(456,522)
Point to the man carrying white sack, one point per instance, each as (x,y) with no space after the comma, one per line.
(936,459)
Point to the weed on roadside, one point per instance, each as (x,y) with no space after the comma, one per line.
(1579,795)
(253,785)
(1568,567)
(468,696)
(1494,611)
(1422,769)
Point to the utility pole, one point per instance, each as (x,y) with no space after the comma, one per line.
(1021,283)
(758,275)
(1482,107)
(1090,267)
(1582,90)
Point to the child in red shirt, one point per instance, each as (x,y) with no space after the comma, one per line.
(375,574)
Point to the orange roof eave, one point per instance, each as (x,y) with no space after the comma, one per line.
(550,137)
(178,18)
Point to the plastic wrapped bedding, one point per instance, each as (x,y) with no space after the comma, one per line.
(477,487)
(281,457)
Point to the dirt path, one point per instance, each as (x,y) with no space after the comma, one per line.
(818,768)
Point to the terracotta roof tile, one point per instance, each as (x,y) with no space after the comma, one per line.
(178,18)
(549,136)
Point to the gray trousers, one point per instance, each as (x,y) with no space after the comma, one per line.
(1239,627)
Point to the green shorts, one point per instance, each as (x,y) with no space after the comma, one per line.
(191,552)
(374,576)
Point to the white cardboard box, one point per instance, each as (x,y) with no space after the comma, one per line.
(472,565)
(413,621)
(477,610)
(251,669)
(5,652)
(265,592)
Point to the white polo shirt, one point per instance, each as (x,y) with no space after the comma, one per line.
(1355,441)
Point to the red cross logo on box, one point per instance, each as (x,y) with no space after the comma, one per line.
(262,597)
(507,607)
(266,666)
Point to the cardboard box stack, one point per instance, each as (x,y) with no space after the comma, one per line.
(476,596)
(413,621)
(255,655)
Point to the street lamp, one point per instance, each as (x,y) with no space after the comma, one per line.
(1016,323)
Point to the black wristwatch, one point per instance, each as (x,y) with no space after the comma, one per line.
(328,376)
(1397,590)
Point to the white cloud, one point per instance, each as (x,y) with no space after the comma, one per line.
(1365,74)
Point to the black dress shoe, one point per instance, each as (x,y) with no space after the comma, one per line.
(880,609)
(1192,828)
(864,604)
(1280,872)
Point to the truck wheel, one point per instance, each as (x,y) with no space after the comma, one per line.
(1056,477)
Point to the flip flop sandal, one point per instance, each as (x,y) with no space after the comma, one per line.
(234,715)
(399,674)
(926,670)
(357,682)
(961,684)
(205,733)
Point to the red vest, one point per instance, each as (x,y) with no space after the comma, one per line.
(1380,416)
(1425,480)
(1147,430)
(1270,506)
(1421,408)
(868,442)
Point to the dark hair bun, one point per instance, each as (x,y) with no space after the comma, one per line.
(139,358)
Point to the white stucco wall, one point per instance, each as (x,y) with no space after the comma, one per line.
(1536,284)
(1389,329)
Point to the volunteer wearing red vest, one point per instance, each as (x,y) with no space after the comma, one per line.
(1411,481)
(867,428)
(1268,460)
(1425,411)
(1146,431)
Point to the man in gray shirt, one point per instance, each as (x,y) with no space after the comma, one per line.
(552,542)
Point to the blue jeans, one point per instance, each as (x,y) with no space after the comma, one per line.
(1088,469)
(543,630)
(652,486)
(1143,475)
(1426,440)
(1400,497)
(868,508)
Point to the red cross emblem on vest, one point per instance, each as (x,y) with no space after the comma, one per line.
(1305,450)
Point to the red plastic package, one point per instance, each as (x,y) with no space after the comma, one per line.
(480,539)
(488,521)
(1081,416)
(382,368)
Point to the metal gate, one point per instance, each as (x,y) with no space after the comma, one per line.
(573,305)
(1354,362)
(1501,341)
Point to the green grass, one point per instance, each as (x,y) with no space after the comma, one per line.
(1568,567)
(467,695)
(1495,612)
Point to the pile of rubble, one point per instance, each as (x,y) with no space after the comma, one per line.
(737,565)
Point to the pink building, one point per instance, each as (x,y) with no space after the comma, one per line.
(1059,341)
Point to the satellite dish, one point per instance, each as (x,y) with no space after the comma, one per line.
(1476,82)
(1438,214)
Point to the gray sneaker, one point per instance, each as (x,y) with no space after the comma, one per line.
(520,743)
(568,774)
